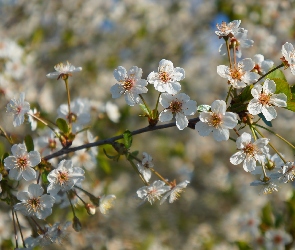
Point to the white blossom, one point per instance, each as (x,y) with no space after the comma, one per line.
(21,163)
(289,56)
(276,239)
(179,105)
(239,76)
(145,165)
(80,113)
(18,107)
(264,100)
(239,40)
(130,84)
(175,192)
(167,78)
(262,66)
(34,202)
(249,223)
(250,151)
(63,70)
(217,121)
(267,186)
(224,29)
(106,203)
(152,192)
(64,177)
(288,172)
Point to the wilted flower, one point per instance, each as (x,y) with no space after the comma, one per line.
(175,192)
(106,203)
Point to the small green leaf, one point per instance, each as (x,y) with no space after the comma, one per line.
(144,109)
(44,177)
(279,74)
(268,123)
(62,125)
(246,94)
(127,139)
(29,143)
(291,105)
(203,108)
(282,87)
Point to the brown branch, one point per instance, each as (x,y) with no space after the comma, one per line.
(115,138)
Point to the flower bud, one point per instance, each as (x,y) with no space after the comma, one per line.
(90,209)
(77,226)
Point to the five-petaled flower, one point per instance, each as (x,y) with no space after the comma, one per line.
(239,76)
(289,56)
(64,177)
(18,107)
(152,192)
(63,71)
(34,202)
(264,100)
(277,239)
(130,84)
(179,105)
(250,151)
(217,121)
(167,77)
(21,163)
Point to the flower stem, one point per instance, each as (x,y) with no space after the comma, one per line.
(272,70)
(136,170)
(228,94)
(282,138)
(69,101)
(145,104)
(160,176)
(228,53)
(272,146)
(44,122)
(20,229)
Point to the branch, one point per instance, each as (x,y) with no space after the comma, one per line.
(64,151)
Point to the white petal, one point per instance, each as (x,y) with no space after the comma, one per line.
(243,140)
(250,77)
(258,58)
(248,64)
(29,174)
(35,190)
(249,164)
(181,121)
(116,90)
(120,73)
(218,107)
(269,87)
(229,120)
(179,74)
(165,116)
(237,158)
(173,87)
(221,70)
(279,100)
(254,107)
(203,128)
(166,99)
(269,113)
(189,108)
(221,134)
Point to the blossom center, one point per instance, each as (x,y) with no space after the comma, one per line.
(175,106)
(223,27)
(33,204)
(264,99)
(236,74)
(72,117)
(250,149)
(22,162)
(164,76)
(277,239)
(215,120)
(128,84)
(52,144)
(62,177)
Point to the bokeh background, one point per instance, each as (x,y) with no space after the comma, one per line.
(101,35)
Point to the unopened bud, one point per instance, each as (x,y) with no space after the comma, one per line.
(270,165)
(76,224)
(91,210)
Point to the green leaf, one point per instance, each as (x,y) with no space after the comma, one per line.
(282,87)
(246,94)
(62,125)
(144,109)
(291,105)
(279,74)
(115,157)
(292,88)
(29,143)
(127,136)
(4,156)
(44,177)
